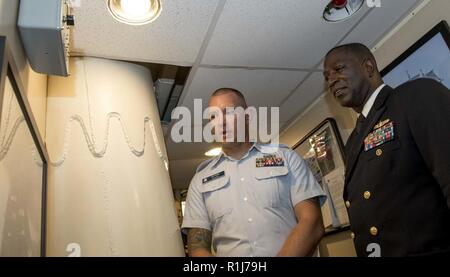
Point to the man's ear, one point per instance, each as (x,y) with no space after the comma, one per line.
(370,67)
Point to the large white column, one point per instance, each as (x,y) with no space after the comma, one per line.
(109,191)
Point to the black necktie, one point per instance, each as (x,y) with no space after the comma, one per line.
(360,123)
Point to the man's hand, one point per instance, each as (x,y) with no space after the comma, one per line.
(306,235)
(199,242)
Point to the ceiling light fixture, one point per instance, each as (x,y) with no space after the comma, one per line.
(339,10)
(135,12)
(214,152)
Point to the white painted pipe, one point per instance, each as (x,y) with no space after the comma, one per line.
(109,191)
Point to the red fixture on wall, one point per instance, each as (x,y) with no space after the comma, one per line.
(339,10)
(339,4)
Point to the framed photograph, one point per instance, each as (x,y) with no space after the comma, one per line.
(323,150)
(23,168)
(429,57)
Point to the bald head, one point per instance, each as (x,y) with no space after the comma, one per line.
(238,97)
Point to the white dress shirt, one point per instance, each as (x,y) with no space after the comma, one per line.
(368,106)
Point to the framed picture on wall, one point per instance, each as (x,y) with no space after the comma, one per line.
(429,57)
(322,149)
(23,167)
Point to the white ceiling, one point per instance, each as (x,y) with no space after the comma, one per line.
(303,96)
(268,33)
(174,38)
(270,50)
(258,85)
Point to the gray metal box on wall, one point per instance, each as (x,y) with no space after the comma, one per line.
(45,32)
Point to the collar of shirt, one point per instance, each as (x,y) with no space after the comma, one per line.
(266,149)
(368,106)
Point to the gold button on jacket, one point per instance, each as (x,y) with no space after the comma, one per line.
(373,231)
(379,152)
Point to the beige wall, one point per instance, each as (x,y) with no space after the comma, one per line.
(337,245)
(35,84)
(20,183)
(390,47)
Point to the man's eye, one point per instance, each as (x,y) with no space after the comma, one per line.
(340,67)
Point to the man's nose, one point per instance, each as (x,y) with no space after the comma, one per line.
(331,81)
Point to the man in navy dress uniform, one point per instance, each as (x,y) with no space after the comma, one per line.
(397,180)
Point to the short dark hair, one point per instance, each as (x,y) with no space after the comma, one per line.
(357,49)
(234,91)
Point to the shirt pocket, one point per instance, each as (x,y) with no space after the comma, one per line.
(385,150)
(380,164)
(267,185)
(215,196)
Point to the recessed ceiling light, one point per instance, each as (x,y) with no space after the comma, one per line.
(214,152)
(339,10)
(135,12)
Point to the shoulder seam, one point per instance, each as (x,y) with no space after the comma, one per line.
(203,165)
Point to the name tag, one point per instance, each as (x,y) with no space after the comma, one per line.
(382,134)
(213,177)
(269,160)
